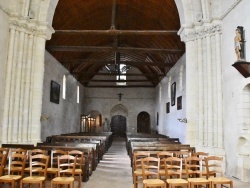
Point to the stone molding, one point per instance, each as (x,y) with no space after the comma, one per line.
(230,8)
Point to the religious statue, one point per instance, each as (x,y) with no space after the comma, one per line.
(106,126)
(239,43)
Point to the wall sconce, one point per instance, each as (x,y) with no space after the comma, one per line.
(184,120)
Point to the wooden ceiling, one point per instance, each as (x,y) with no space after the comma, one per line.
(94,38)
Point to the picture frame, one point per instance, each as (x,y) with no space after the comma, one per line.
(168,107)
(157,119)
(173,93)
(54,92)
(179,103)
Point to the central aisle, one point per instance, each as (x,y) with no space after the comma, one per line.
(114,170)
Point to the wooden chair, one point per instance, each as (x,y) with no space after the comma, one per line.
(79,163)
(16,164)
(38,165)
(137,168)
(53,169)
(150,172)
(202,155)
(31,153)
(66,171)
(173,171)
(214,166)
(3,158)
(162,155)
(194,172)
(182,155)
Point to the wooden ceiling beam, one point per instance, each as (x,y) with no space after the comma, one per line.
(111,49)
(115,74)
(132,63)
(118,86)
(89,80)
(116,32)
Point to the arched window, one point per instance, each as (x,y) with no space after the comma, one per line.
(64,87)
(78,95)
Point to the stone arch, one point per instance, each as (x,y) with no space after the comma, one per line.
(97,126)
(243,141)
(119,110)
(143,122)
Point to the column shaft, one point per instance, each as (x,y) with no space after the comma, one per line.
(191,94)
(210,93)
(205,92)
(26,103)
(219,91)
(215,89)
(16,109)
(5,131)
(12,91)
(37,88)
(201,95)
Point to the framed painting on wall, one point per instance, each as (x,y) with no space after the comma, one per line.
(179,103)
(54,92)
(168,107)
(173,93)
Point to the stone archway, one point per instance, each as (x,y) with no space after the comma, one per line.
(119,114)
(143,123)
(243,144)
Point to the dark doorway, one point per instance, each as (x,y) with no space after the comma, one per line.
(143,123)
(118,125)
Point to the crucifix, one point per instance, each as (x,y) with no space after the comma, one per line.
(120,96)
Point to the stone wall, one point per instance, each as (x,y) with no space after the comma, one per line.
(133,101)
(173,123)
(236,95)
(65,116)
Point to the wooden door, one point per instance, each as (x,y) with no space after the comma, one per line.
(118,125)
(143,123)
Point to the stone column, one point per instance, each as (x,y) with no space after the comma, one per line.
(17,94)
(205,92)
(191,94)
(26,102)
(219,91)
(12,117)
(201,94)
(214,90)
(210,93)
(23,83)
(37,85)
(5,131)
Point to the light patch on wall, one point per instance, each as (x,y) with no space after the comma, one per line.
(78,95)
(64,87)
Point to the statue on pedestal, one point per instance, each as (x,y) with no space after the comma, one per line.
(239,43)
(106,126)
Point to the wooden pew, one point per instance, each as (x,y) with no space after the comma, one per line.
(79,139)
(87,167)
(92,158)
(99,148)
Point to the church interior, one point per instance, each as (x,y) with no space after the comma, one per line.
(113,78)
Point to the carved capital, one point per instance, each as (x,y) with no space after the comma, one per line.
(40,29)
(200,32)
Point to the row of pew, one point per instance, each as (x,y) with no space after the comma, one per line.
(154,143)
(93,145)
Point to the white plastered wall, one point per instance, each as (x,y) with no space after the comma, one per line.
(173,123)
(236,122)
